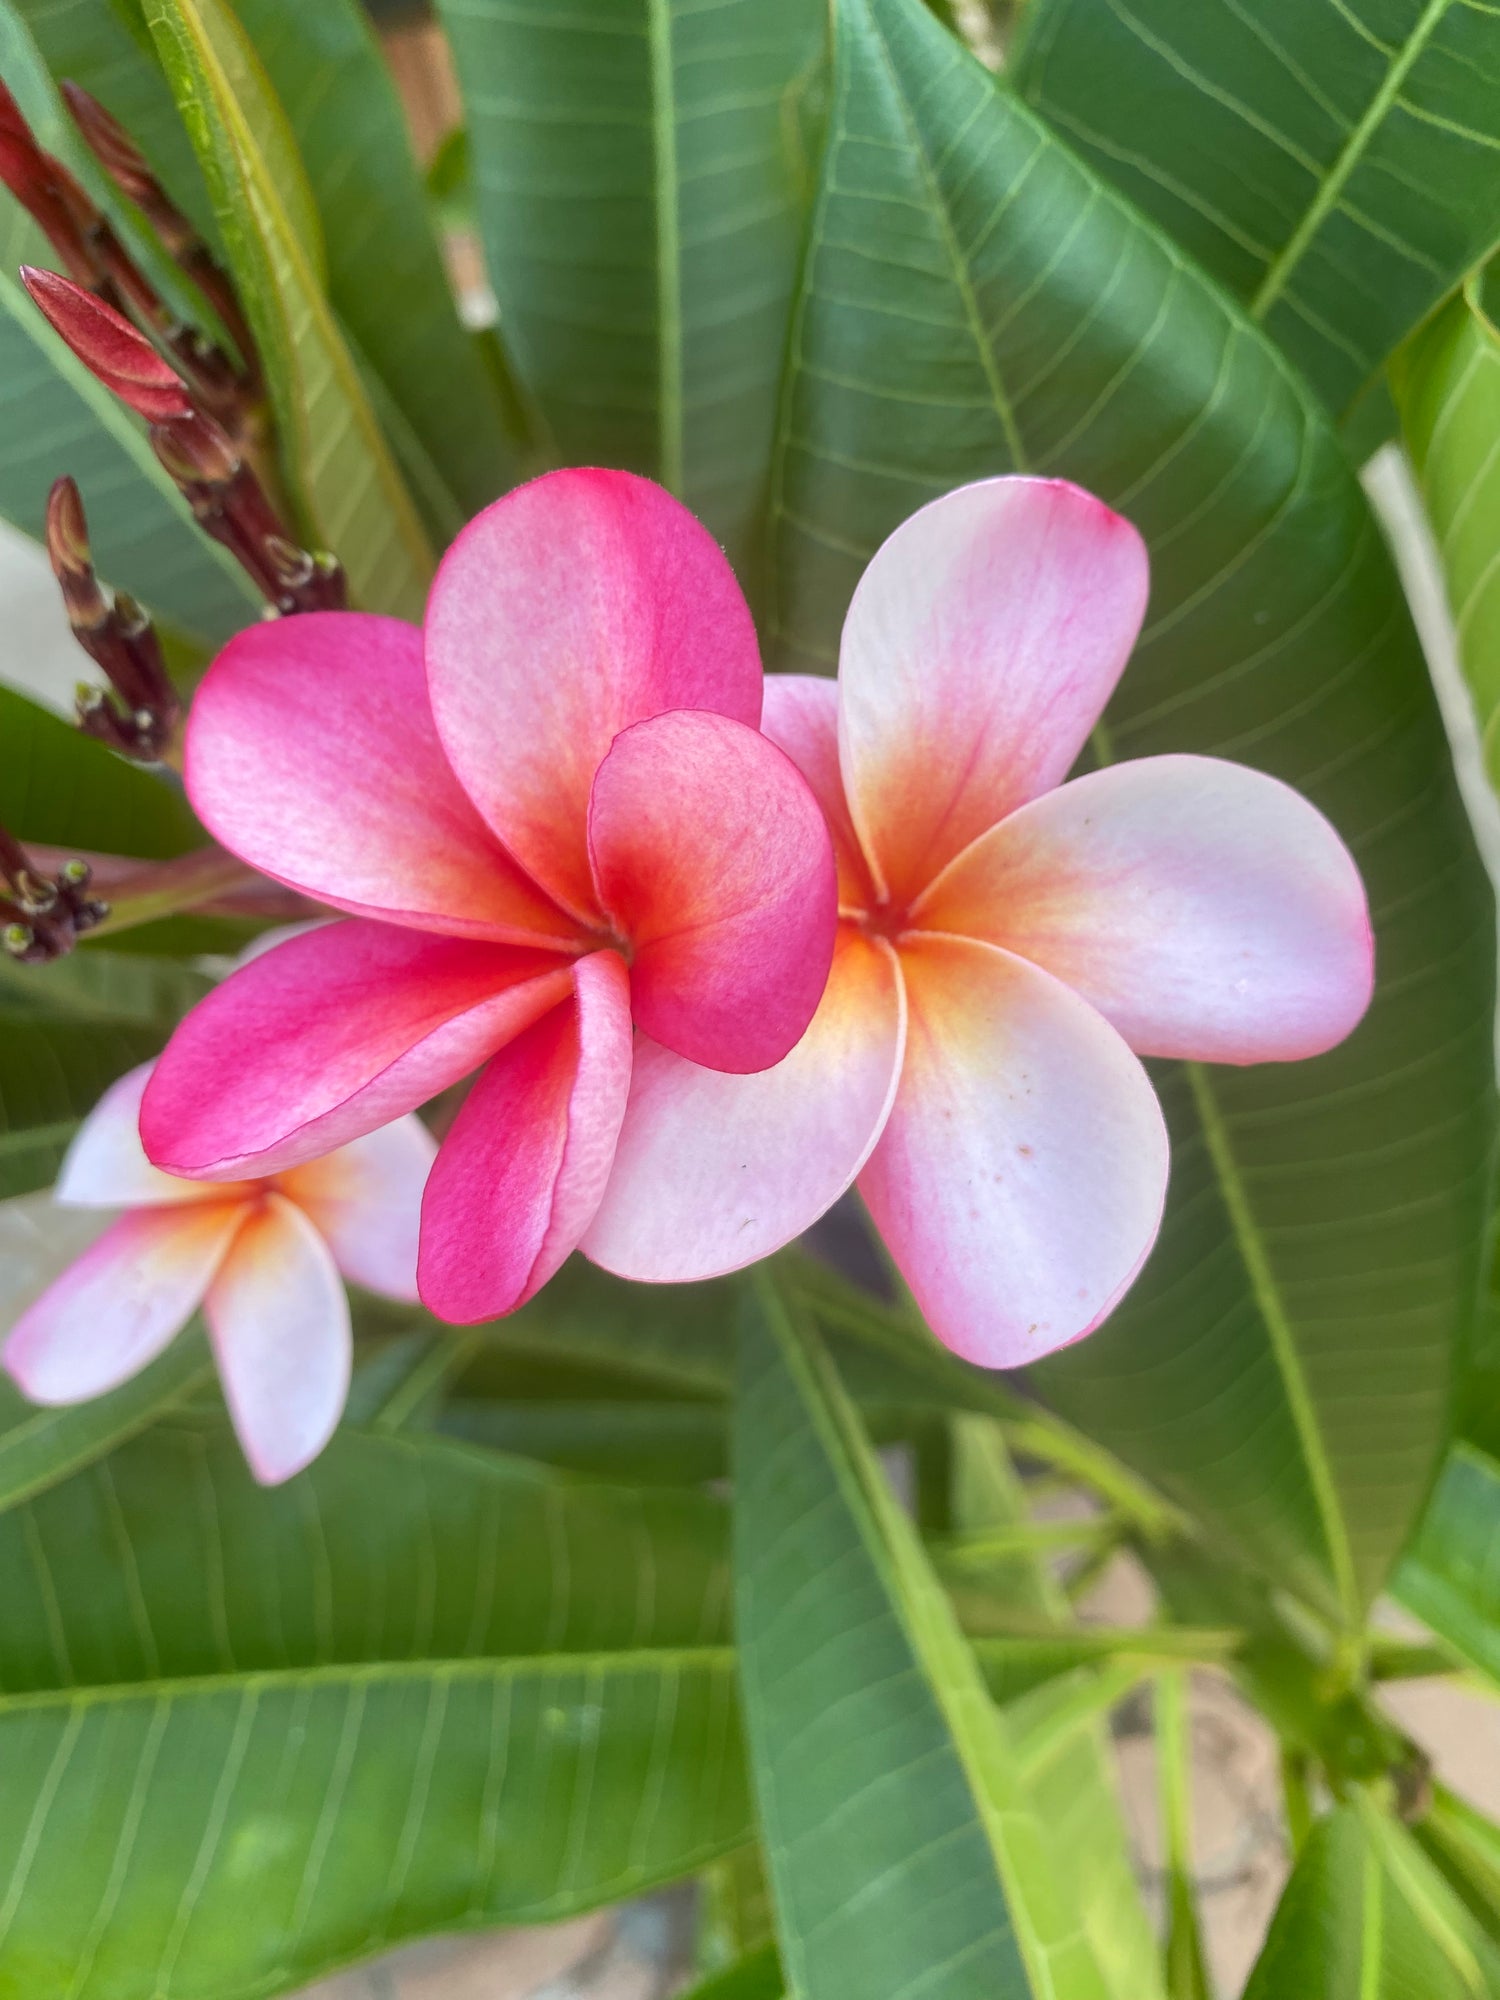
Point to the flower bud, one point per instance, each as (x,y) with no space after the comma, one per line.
(109,346)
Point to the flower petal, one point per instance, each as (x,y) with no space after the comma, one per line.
(312,754)
(519,1177)
(106,1165)
(563,613)
(1020,1178)
(1207,910)
(980,648)
(365,1201)
(713,1171)
(712,857)
(330,1035)
(801,717)
(279,1321)
(117,1307)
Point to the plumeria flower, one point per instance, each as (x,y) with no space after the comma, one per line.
(262,1257)
(553,817)
(1008,946)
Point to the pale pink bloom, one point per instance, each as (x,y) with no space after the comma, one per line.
(1009,944)
(553,818)
(262,1257)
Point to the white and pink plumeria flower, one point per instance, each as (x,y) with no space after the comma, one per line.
(263,1258)
(1009,946)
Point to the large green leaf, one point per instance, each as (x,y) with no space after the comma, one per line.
(65,790)
(248,1736)
(1367,1917)
(902,1851)
(347,488)
(1335,163)
(975,300)
(55,418)
(1447,383)
(639,177)
(1450,1576)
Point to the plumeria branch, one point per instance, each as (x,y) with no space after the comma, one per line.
(207,882)
(46,906)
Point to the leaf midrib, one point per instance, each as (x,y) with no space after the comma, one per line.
(668,245)
(1325,199)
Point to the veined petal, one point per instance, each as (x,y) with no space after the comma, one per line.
(278,1317)
(519,1177)
(117,1307)
(563,613)
(714,1171)
(711,855)
(1020,1178)
(1207,910)
(330,1035)
(980,648)
(365,1201)
(801,717)
(312,754)
(106,1165)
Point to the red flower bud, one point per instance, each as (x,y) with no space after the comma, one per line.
(108,345)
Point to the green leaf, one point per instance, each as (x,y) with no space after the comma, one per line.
(1447,385)
(1465,1845)
(975,300)
(348,491)
(1366,1917)
(385,272)
(65,790)
(1450,1576)
(1187,1972)
(757,1976)
(250,1736)
(640,175)
(39,1447)
(56,418)
(1335,163)
(902,1853)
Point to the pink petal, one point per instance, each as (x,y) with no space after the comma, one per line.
(279,1321)
(712,857)
(365,1201)
(312,754)
(330,1035)
(802,718)
(106,1165)
(713,1171)
(1207,910)
(520,1175)
(563,613)
(117,1307)
(980,648)
(1019,1180)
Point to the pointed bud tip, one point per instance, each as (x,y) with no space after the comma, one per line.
(68,530)
(109,142)
(108,345)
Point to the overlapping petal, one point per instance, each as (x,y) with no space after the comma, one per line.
(980,647)
(713,1171)
(1020,1177)
(278,1318)
(119,1304)
(710,854)
(106,1165)
(570,609)
(801,717)
(330,1035)
(519,1176)
(312,754)
(365,1201)
(1205,909)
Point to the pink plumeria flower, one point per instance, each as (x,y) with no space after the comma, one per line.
(553,818)
(262,1257)
(1008,946)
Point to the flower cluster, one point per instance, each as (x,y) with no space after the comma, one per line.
(715,947)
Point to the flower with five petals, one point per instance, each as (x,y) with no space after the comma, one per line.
(1009,945)
(263,1257)
(551,815)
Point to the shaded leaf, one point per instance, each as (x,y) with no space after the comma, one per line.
(348,491)
(975,300)
(640,171)
(1335,163)
(1450,1576)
